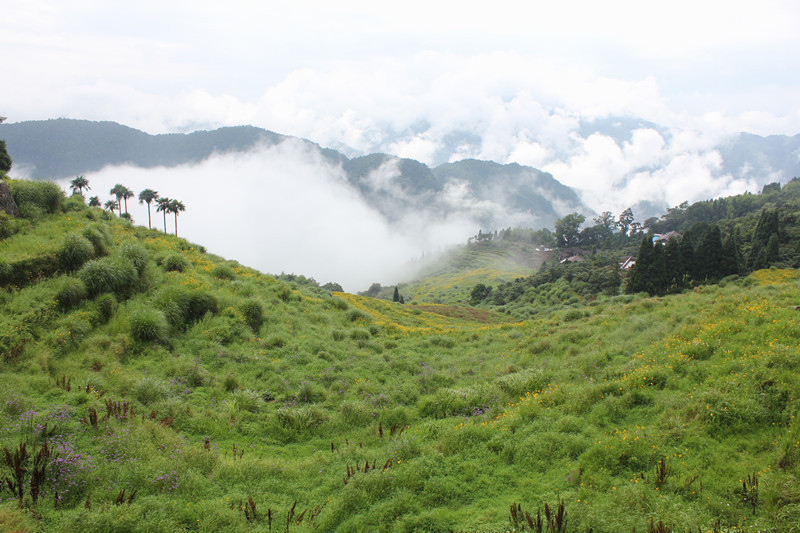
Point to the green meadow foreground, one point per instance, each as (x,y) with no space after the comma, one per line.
(149,386)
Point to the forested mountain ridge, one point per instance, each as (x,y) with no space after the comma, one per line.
(64,148)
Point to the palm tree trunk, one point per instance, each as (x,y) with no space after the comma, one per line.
(176,223)
(165,222)
(148,216)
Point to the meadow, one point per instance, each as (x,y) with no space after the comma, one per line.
(147,385)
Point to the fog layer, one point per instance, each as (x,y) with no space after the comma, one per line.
(285,209)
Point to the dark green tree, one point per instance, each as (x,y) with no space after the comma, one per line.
(625,220)
(649,273)
(567,229)
(772,251)
(479,293)
(5,159)
(709,257)
(396,295)
(673,259)
(94,201)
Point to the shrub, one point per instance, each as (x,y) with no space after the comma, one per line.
(74,203)
(105,306)
(5,273)
(148,325)
(99,236)
(150,390)
(357,314)
(74,252)
(182,306)
(175,263)
(359,334)
(108,275)
(223,272)
(136,254)
(230,383)
(8,226)
(246,400)
(300,419)
(519,383)
(253,313)
(72,292)
(36,197)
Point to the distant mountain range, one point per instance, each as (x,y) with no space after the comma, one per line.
(492,194)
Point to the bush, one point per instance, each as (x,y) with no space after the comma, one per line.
(72,293)
(74,252)
(519,383)
(136,254)
(253,313)
(74,203)
(246,400)
(359,334)
(150,390)
(8,226)
(230,383)
(108,275)
(99,236)
(36,197)
(223,272)
(182,306)
(175,263)
(105,306)
(148,325)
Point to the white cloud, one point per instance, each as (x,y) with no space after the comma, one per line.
(285,209)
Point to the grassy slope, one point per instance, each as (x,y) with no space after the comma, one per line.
(450,278)
(578,405)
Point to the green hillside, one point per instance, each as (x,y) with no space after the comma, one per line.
(149,386)
(450,277)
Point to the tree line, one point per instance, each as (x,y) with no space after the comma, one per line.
(122,194)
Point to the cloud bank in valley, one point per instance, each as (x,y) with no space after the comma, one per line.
(285,209)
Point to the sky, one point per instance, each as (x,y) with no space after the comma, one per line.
(517,79)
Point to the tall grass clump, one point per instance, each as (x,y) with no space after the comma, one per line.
(105,305)
(74,252)
(109,274)
(173,262)
(98,235)
(72,292)
(136,254)
(182,306)
(148,325)
(36,197)
(150,390)
(223,272)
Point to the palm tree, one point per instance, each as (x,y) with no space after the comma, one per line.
(127,193)
(175,207)
(111,205)
(163,206)
(94,201)
(147,196)
(78,184)
(117,190)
